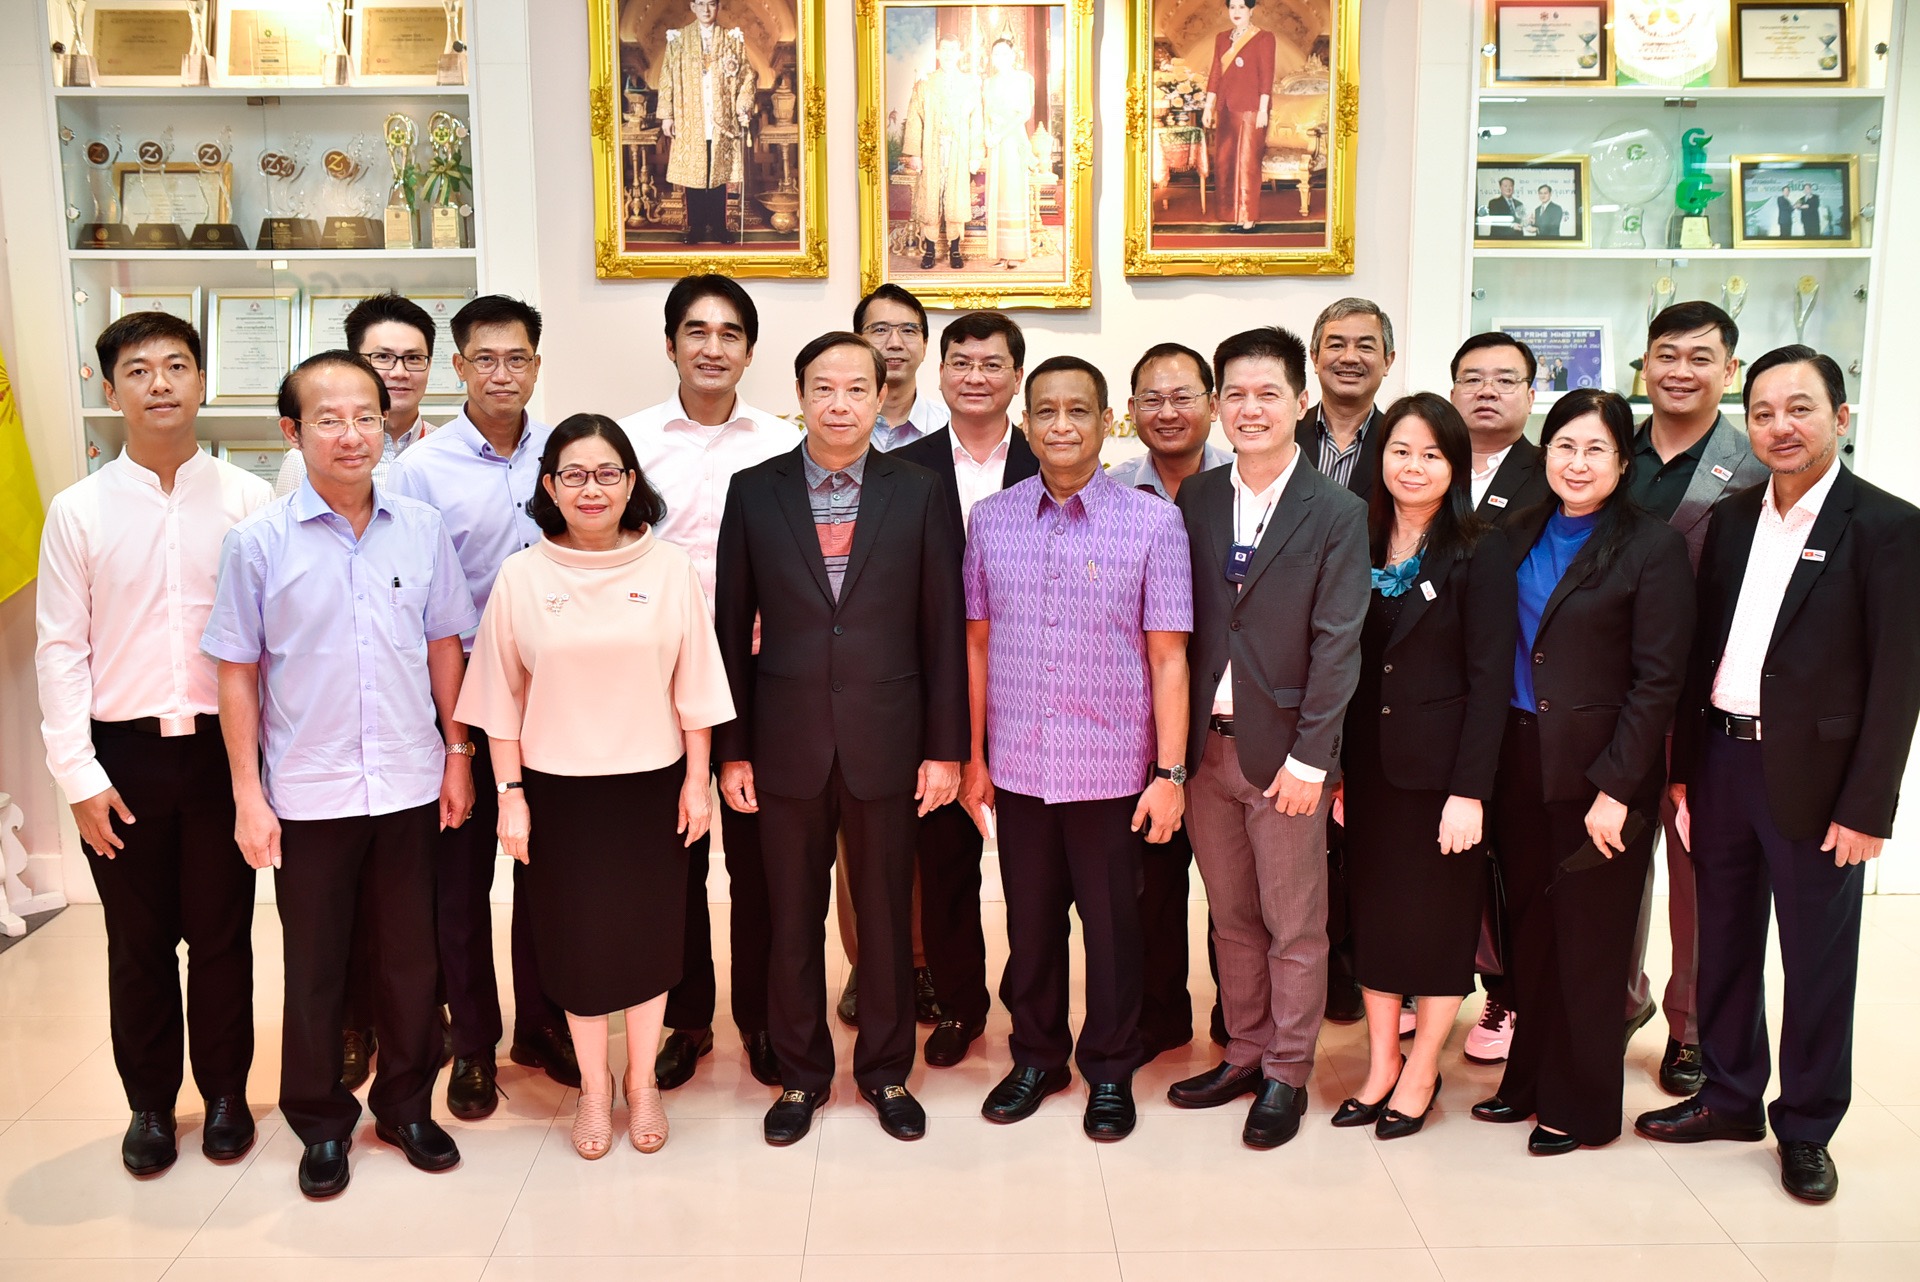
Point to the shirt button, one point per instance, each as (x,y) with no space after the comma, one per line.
(1050,667)
(1386,711)
(1049,712)
(837,629)
(1545,706)
(1053,620)
(1235,625)
(1387,668)
(836,687)
(1539,659)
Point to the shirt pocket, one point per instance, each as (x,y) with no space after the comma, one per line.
(407,619)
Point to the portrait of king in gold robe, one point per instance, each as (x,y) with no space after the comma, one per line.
(705,107)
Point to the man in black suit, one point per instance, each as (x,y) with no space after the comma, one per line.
(853,711)
(1783,207)
(1505,213)
(1809,624)
(1548,217)
(1810,212)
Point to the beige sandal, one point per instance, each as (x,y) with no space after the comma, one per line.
(646,1116)
(593,1126)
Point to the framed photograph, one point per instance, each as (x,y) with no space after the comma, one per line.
(709,127)
(178,194)
(270,42)
(1792,44)
(1242,137)
(262,458)
(182,302)
(976,152)
(139,42)
(1570,354)
(1796,202)
(1532,202)
(1549,44)
(252,339)
(397,42)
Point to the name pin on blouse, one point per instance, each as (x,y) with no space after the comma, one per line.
(556,601)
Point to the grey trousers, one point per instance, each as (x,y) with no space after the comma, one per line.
(1681,1001)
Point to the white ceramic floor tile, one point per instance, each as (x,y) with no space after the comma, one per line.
(283,1269)
(86,1270)
(1721,1263)
(1043,1267)
(38,1051)
(1412,1264)
(76,921)
(650,1268)
(1837,1262)
(1886,1051)
(54,976)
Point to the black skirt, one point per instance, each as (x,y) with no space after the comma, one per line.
(607,881)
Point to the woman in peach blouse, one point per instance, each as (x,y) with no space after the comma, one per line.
(596,676)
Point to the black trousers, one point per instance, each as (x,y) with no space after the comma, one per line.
(691,1002)
(706,206)
(1166,1007)
(1572,947)
(332,871)
(798,839)
(1075,854)
(956,945)
(1741,861)
(179,876)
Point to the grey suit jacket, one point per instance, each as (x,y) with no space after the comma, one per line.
(1727,466)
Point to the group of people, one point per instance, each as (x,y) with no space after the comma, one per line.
(1416,693)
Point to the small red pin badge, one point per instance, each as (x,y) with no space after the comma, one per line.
(637,598)
(1812,554)
(1722,473)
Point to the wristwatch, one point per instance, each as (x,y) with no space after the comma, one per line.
(502,787)
(1178,774)
(461,749)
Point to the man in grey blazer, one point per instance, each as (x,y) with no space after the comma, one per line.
(1686,458)
(1280,587)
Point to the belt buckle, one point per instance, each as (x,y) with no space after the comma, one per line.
(177,727)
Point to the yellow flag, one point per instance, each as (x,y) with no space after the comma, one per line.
(20,515)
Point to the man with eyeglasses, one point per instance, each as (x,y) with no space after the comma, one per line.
(336,623)
(894,321)
(479,471)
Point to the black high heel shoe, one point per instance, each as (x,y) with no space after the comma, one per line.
(1393,1123)
(1546,1143)
(1353,1113)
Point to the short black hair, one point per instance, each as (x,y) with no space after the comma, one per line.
(1493,338)
(689,290)
(289,398)
(1161,351)
(382,308)
(1068,365)
(1455,529)
(1800,354)
(889,293)
(838,338)
(978,327)
(136,328)
(1690,318)
(1616,511)
(644,506)
(1268,342)
(495,309)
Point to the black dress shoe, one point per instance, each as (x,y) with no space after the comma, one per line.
(725,235)
(848,1008)
(1343,1003)
(761,1061)
(791,1117)
(1495,1109)
(323,1168)
(900,1113)
(954,260)
(1021,1092)
(1639,1020)
(948,1042)
(673,1066)
(926,1002)
(1681,1070)
(1807,1171)
(1275,1116)
(926,259)
(691,235)
(1353,1113)
(149,1146)
(547,1049)
(228,1132)
(471,1091)
(1110,1115)
(1691,1121)
(1394,1124)
(1157,1043)
(357,1046)
(1546,1143)
(427,1145)
(1221,1084)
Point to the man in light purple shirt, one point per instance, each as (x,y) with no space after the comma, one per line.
(336,623)
(1079,601)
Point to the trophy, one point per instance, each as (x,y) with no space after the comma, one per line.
(333,62)
(1658,301)
(349,205)
(1632,166)
(1695,193)
(193,67)
(453,60)
(1733,300)
(1805,291)
(401,135)
(286,225)
(446,178)
(106,231)
(217,229)
(158,231)
(79,63)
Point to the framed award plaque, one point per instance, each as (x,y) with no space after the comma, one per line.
(266,43)
(398,42)
(252,335)
(139,42)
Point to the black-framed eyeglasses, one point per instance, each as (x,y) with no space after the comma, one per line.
(881,331)
(605,477)
(415,361)
(1150,402)
(487,362)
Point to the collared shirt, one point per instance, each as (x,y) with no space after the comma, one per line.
(1142,473)
(339,626)
(1482,481)
(928,415)
(1658,486)
(975,478)
(127,573)
(834,498)
(1071,590)
(293,467)
(1778,542)
(481,496)
(1337,464)
(690,465)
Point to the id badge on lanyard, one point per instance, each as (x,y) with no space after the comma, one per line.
(1239,558)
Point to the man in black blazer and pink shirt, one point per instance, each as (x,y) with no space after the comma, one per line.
(852,717)
(1809,628)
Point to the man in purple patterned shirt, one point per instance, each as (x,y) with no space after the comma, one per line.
(1079,601)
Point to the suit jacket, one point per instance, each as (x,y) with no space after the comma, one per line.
(1547,219)
(1292,630)
(934,452)
(1512,210)
(878,678)
(1840,689)
(1726,449)
(1306,434)
(1609,659)
(1520,483)
(1447,675)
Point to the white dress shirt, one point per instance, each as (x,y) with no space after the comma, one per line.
(928,415)
(1778,542)
(690,465)
(127,575)
(978,478)
(293,467)
(1483,481)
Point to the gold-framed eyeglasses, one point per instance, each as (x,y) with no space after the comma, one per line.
(881,331)
(993,367)
(487,362)
(1567,452)
(366,424)
(1505,384)
(1151,402)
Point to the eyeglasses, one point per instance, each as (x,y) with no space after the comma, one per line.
(366,424)
(487,362)
(605,477)
(1505,384)
(1567,452)
(1150,402)
(881,331)
(992,368)
(387,360)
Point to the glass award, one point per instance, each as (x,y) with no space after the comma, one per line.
(216,229)
(105,231)
(348,203)
(453,60)
(286,225)
(80,70)
(158,230)
(194,68)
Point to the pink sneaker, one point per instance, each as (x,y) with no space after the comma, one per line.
(1488,1040)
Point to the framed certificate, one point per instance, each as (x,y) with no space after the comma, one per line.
(1540,44)
(182,302)
(139,42)
(179,194)
(262,458)
(324,327)
(1792,44)
(266,43)
(1569,354)
(252,337)
(442,383)
(398,42)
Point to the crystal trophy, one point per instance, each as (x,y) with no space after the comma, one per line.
(348,204)
(401,135)
(217,229)
(1658,300)
(158,230)
(447,176)
(333,60)
(453,60)
(286,225)
(1806,291)
(80,69)
(194,67)
(1632,167)
(1733,301)
(106,231)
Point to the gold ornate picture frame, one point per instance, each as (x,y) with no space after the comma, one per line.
(750,199)
(976,151)
(1212,188)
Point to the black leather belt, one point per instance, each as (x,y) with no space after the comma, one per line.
(1221,725)
(168,727)
(1735,726)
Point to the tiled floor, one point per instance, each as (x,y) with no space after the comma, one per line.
(1180,1201)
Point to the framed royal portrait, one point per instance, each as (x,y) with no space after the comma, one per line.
(976,151)
(1242,125)
(709,137)
(1796,202)
(1531,202)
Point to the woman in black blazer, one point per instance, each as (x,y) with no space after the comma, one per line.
(1605,619)
(1422,738)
